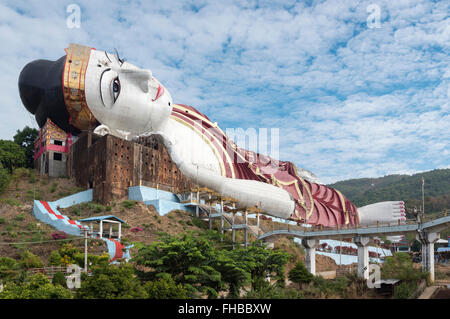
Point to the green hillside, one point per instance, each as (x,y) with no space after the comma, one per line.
(364,191)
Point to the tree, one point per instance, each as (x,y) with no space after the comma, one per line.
(300,275)
(11,155)
(30,260)
(111,282)
(25,138)
(8,268)
(37,286)
(261,262)
(55,258)
(188,259)
(165,288)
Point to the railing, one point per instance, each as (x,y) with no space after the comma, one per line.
(292,228)
(48,271)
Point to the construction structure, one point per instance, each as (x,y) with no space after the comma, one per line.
(50,150)
(109,165)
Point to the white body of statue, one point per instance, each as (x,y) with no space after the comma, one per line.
(130,102)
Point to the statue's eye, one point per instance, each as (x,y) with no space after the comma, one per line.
(116,88)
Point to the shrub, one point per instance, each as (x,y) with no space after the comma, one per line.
(2,220)
(405,290)
(59,279)
(53,187)
(4,179)
(76,210)
(19,217)
(10,201)
(55,258)
(136,229)
(59,235)
(128,203)
(30,260)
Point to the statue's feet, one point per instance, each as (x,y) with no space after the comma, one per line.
(382,213)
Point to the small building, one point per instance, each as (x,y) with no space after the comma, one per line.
(108,226)
(50,150)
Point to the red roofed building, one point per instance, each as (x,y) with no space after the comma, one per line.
(50,150)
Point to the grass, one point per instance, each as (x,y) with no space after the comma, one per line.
(128,203)
(10,201)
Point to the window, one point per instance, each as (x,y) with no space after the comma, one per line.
(56,142)
(57,156)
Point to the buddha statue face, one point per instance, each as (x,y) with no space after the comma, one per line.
(124,97)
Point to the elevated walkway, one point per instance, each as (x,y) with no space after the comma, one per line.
(435,225)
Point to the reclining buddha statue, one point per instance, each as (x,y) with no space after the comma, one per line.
(89,89)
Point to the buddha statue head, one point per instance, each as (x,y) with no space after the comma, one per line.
(89,87)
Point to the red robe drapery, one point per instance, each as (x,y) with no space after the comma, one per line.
(315,204)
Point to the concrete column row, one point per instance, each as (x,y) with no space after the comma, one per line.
(427,240)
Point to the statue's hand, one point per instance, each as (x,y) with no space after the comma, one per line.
(102,130)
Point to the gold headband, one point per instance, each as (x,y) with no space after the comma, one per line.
(77,59)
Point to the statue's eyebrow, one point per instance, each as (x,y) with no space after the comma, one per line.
(106,53)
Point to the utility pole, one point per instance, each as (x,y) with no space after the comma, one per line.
(85,249)
(423,198)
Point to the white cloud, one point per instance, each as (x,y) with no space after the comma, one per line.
(349,100)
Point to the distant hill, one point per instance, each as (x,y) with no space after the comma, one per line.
(364,191)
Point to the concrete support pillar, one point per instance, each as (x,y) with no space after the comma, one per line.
(310,250)
(245,230)
(233,232)
(427,240)
(363,256)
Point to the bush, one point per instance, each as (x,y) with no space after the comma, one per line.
(128,203)
(53,187)
(400,266)
(10,201)
(405,290)
(30,260)
(55,258)
(59,279)
(4,179)
(19,217)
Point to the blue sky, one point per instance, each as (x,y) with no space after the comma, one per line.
(350,101)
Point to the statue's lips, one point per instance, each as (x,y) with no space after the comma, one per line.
(159,93)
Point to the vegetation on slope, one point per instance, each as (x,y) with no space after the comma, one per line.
(408,188)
